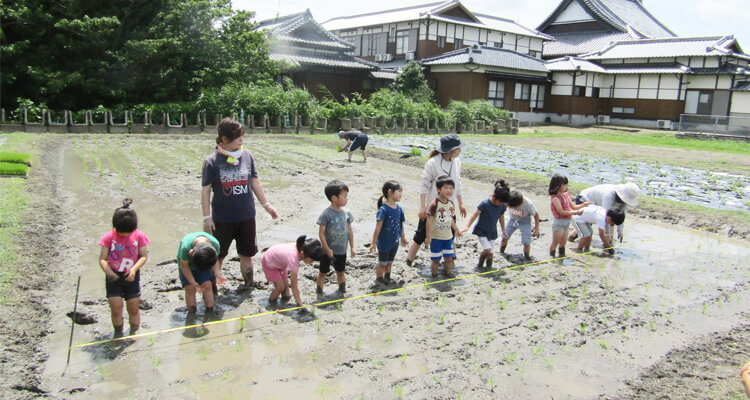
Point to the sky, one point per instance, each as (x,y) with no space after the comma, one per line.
(683,17)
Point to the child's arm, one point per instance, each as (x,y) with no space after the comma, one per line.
(558,207)
(104,264)
(142,257)
(404,242)
(220,279)
(471,220)
(208,222)
(605,239)
(322,236)
(454,226)
(185,268)
(502,225)
(579,206)
(351,241)
(295,289)
(536,224)
(461,208)
(378,227)
(428,231)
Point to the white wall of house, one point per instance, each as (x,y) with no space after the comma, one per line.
(740,104)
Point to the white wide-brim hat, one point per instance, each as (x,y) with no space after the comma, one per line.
(628,192)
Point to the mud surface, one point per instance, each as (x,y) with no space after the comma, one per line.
(693,186)
(585,327)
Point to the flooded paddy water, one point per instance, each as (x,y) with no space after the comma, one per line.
(710,189)
(582,328)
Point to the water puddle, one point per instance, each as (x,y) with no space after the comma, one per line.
(711,189)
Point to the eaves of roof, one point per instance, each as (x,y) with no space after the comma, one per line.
(324,59)
(489,57)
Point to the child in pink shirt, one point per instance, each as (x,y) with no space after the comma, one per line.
(562,211)
(282,257)
(123,253)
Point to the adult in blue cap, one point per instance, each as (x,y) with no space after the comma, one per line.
(443,160)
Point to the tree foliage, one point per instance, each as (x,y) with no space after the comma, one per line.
(75,54)
(412,83)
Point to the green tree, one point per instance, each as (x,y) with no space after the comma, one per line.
(412,83)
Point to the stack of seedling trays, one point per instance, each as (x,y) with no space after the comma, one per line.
(14,165)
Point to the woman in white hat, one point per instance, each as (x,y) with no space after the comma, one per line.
(608,197)
(443,160)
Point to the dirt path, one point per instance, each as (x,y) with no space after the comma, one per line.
(589,327)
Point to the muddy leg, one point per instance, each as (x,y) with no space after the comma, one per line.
(134,314)
(412,254)
(490,257)
(246,267)
(434,268)
(448,266)
(503,245)
(527,251)
(208,294)
(561,243)
(364,155)
(116,306)
(190,300)
(379,272)
(482,258)
(387,275)
(278,288)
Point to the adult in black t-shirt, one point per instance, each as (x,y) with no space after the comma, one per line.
(354,140)
(230,174)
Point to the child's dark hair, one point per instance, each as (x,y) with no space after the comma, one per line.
(515,199)
(230,129)
(444,180)
(616,215)
(502,192)
(204,256)
(125,219)
(555,183)
(334,188)
(311,247)
(388,186)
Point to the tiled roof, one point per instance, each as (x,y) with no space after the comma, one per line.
(573,44)
(390,75)
(429,11)
(620,15)
(666,48)
(489,57)
(573,64)
(283,29)
(303,58)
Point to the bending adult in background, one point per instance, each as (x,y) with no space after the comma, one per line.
(442,161)
(608,197)
(231,175)
(354,140)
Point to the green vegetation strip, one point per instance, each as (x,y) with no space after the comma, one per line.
(650,138)
(20,158)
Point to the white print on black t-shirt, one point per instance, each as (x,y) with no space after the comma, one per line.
(234,182)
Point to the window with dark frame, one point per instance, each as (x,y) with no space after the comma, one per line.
(441,42)
(595,92)
(458,43)
(402,41)
(579,91)
(496,93)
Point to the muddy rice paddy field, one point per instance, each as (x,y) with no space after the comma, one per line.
(666,317)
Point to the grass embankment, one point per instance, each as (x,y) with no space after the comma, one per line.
(12,211)
(735,223)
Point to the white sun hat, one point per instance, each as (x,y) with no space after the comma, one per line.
(628,192)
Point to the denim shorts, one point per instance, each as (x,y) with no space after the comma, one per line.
(560,224)
(387,257)
(525,228)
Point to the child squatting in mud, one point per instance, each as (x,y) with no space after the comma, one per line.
(123,253)
(199,269)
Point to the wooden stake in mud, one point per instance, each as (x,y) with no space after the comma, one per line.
(72,325)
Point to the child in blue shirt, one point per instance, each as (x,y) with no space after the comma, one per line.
(388,229)
(489,212)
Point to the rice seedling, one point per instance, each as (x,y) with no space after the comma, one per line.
(522,300)
(489,291)
(491,384)
(151,341)
(314,355)
(203,352)
(242,324)
(389,338)
(538,349)
(501,304)
(603,343)
(403,358)
(430,327)
(156,362)
(490,338)
(338,306)
(399,390)
(226,376)
(103,372)
(476,340)
(380,309)
(238,347)
(583,327)
(510,357)
(416,151)
(359,342)
(317,327)
(442,319)
(441,301)
(572,305)
(15,169)
(652,326)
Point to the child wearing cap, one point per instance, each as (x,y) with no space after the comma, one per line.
(354,140)
(442,161)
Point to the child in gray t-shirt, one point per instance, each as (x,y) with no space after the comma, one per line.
(521,209)
(335,233)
